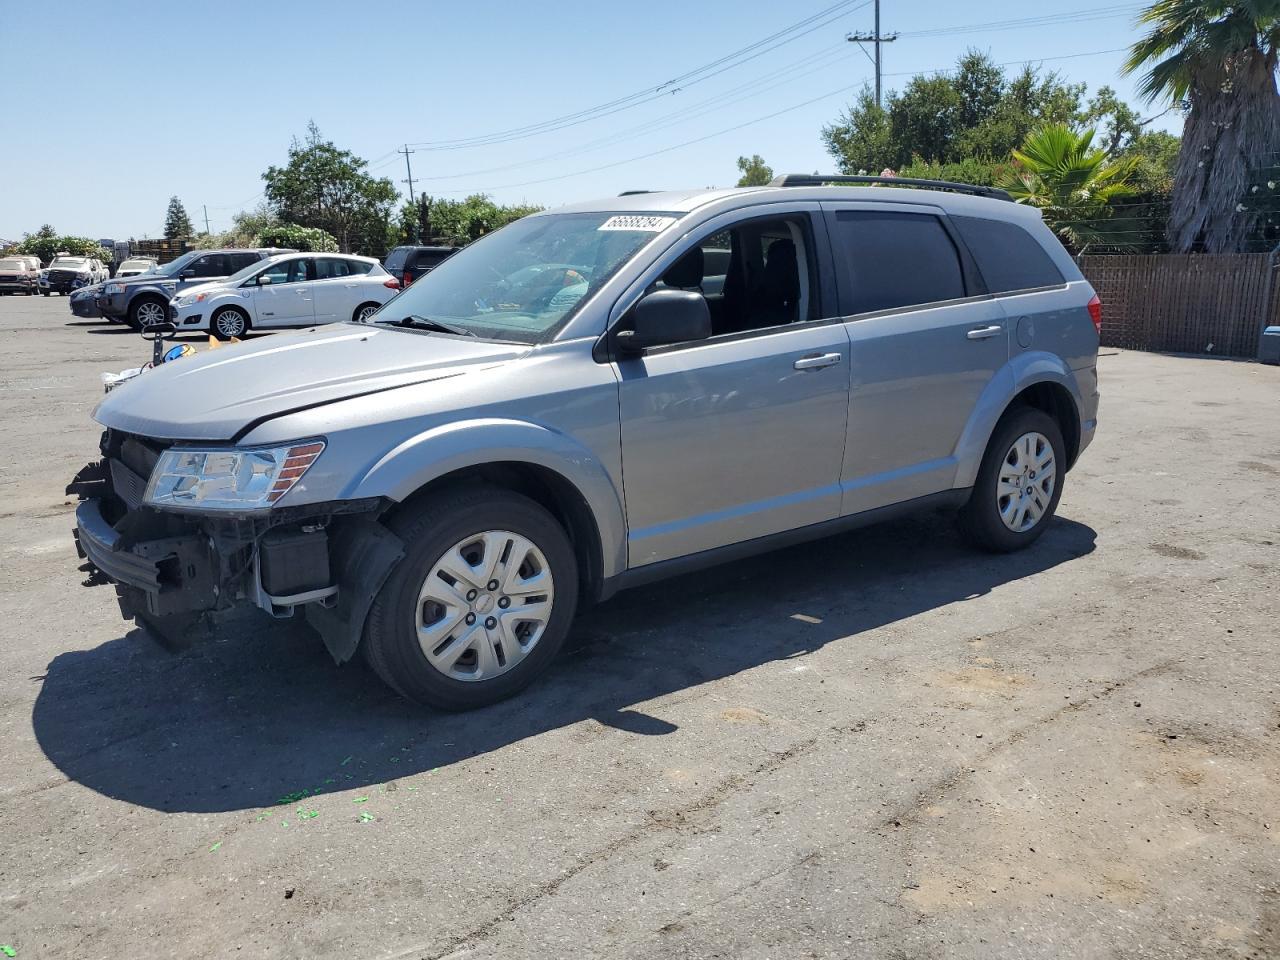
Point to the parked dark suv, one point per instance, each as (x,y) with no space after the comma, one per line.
(144,300)
(407,264)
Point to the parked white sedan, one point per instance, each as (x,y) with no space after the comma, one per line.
(288,290)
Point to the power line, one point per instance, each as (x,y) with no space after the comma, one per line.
(1076,16)
(691,112)
(675,85)
(676,146)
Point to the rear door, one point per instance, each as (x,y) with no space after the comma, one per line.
(211,266)
(335,291)
(925,340)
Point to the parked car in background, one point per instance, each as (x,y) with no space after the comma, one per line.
(135,266)
(17,276)
(143,300)
(407,264)
(292,290)
(66,274)
(443,485)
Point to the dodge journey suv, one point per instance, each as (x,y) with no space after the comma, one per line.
(593,398)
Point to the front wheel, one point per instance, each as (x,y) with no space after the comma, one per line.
(229,322)
(147,312)
(481,603)
(1019,483)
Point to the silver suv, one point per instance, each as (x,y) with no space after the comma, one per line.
(593,398)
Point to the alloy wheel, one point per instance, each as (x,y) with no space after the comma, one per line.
(484,606)
(149,314)
(230,323)
(1027,478)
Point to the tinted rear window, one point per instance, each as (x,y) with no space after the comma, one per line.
(891,260)
(1008,256)
(395,259)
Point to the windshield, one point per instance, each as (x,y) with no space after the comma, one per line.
(138,266)
(242,275)
(13,264)
(69,263)
(174,267)
(524,281)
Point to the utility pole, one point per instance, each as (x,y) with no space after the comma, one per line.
(205,206)
(408,170)
(879,39)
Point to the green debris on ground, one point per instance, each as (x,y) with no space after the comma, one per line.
(294,797)
(7,950)
(360,800)
(214,848)
(304,814)
(367,817)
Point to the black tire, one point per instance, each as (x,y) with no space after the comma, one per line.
(355,314)
(227,312)
(980,519)
(139,305)
(44,293)
(431,528)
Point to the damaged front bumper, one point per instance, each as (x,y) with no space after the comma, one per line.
(174,572)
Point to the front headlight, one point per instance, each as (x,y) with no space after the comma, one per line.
(252,478)
(189,299)
(111,288)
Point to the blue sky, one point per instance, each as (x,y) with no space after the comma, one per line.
(133,102)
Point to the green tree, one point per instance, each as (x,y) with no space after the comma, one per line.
(328,188)
(176,222)
(1072,182)
(860,139)
(46,243)
(307,239)
(755,172)
(1218,59)
(459,222)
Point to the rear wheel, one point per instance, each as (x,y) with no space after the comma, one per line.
(229,322)
(1019,483)
(365,311)
(481,603)
(147,312)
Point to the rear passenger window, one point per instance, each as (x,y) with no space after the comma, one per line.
(213,265)
(241,260)
(329,268)
(892,260)
(1009,257)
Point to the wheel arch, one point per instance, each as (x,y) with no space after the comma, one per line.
(1039,380)
(549,467)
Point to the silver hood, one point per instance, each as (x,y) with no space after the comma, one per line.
(221,392)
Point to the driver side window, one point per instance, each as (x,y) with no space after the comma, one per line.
(754,276)
(288,271)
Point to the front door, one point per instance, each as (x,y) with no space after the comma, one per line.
(742,435)
(925,342)
(286,300)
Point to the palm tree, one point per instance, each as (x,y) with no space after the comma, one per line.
(1218,60)
(1059,171)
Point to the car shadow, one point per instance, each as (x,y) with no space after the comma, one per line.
(261,714)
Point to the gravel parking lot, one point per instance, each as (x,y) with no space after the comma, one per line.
(882,745)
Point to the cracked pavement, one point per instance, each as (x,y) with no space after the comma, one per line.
(882,745)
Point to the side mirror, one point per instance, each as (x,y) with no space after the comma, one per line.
(264,280)
(188,274)
(664,317)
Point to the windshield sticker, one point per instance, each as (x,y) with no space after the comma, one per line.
(635,223)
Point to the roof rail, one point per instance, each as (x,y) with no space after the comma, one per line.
(633,193)
(817,180)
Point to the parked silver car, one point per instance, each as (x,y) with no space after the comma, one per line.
(574,404)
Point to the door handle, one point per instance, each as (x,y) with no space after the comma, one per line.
(818,361)
(985,333)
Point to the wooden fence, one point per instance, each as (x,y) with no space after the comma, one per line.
(1184,303)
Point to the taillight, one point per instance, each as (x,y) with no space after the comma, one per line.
(391,283)
(407,278)
(1095,313)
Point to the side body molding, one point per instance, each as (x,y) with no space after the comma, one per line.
(1019,373)
(455,446)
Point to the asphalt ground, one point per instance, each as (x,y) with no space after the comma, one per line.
(882,745)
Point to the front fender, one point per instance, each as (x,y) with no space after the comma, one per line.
(450,447)
(1015,376)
